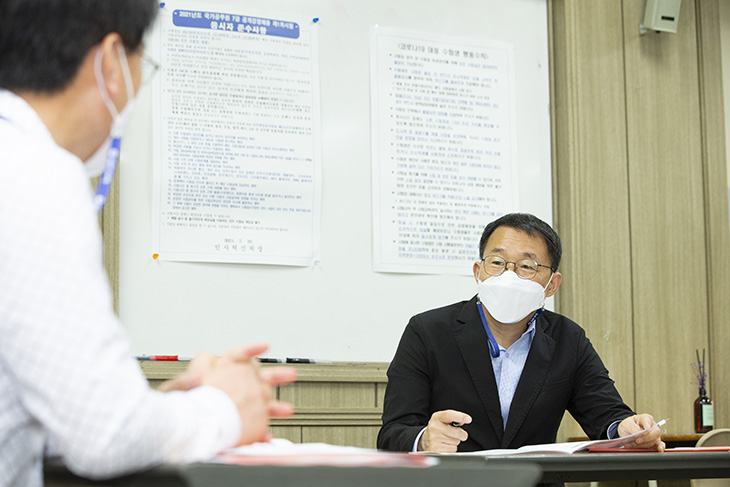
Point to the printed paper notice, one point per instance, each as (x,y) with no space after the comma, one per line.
(236,157)
(444,158)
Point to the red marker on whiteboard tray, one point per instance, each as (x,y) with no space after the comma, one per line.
(164,358)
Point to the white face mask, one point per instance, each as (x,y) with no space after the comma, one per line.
(509,298)
(105,157)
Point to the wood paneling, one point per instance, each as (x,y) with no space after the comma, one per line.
(716,204)
(109,223)
(322,395)
(338,404)
(590,173)
(669,271)
(640,183)
(360,436)
(380,395)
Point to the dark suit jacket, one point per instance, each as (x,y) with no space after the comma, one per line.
(443,362)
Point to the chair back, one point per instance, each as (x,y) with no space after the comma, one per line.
(718,437)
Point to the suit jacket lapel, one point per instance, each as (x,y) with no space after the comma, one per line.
(472,341)
(532,379)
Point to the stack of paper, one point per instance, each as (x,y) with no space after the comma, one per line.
(556,448)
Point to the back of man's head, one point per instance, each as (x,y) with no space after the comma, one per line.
(531,225)
(43,42)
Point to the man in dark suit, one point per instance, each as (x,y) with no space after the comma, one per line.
(498,371)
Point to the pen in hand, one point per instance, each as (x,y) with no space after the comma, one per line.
(658,425)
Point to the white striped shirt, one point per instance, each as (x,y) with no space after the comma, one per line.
(67,376)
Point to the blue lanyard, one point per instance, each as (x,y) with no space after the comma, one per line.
(105,182)
(493,346)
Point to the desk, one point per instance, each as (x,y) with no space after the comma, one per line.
(476,474)
(579,467)
(589,467)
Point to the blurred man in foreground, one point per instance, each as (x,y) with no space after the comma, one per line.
(69,71)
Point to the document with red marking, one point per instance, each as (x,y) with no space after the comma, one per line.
(285,453)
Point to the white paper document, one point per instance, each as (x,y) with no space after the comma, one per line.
(236,162)
(556,448)
(283,452)
(443,148)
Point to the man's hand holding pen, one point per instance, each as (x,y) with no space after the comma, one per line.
(651,439)
(444,432)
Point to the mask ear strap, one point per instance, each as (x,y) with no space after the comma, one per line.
(125,72)
(549,281)
(102,85)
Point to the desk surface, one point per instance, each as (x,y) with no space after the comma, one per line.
(476,474)
(579,467)
(588,467)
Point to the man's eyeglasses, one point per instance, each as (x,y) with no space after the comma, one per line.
(149,68)
(494,265)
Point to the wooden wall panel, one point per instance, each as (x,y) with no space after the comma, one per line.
(314,395)
(590,169)
(359,436)
(109,224)
(667,213)
(716,204)
(380,395)
(645,199)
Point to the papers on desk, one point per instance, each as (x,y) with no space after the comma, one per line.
(285,453)
(546,449)
(615,445)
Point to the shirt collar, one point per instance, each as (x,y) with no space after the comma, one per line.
(527,336)
(17,112)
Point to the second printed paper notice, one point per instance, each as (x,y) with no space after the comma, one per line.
(444,148)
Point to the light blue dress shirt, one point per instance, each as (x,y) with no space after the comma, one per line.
(508,369)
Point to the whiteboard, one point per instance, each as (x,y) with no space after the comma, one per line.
(338,309)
